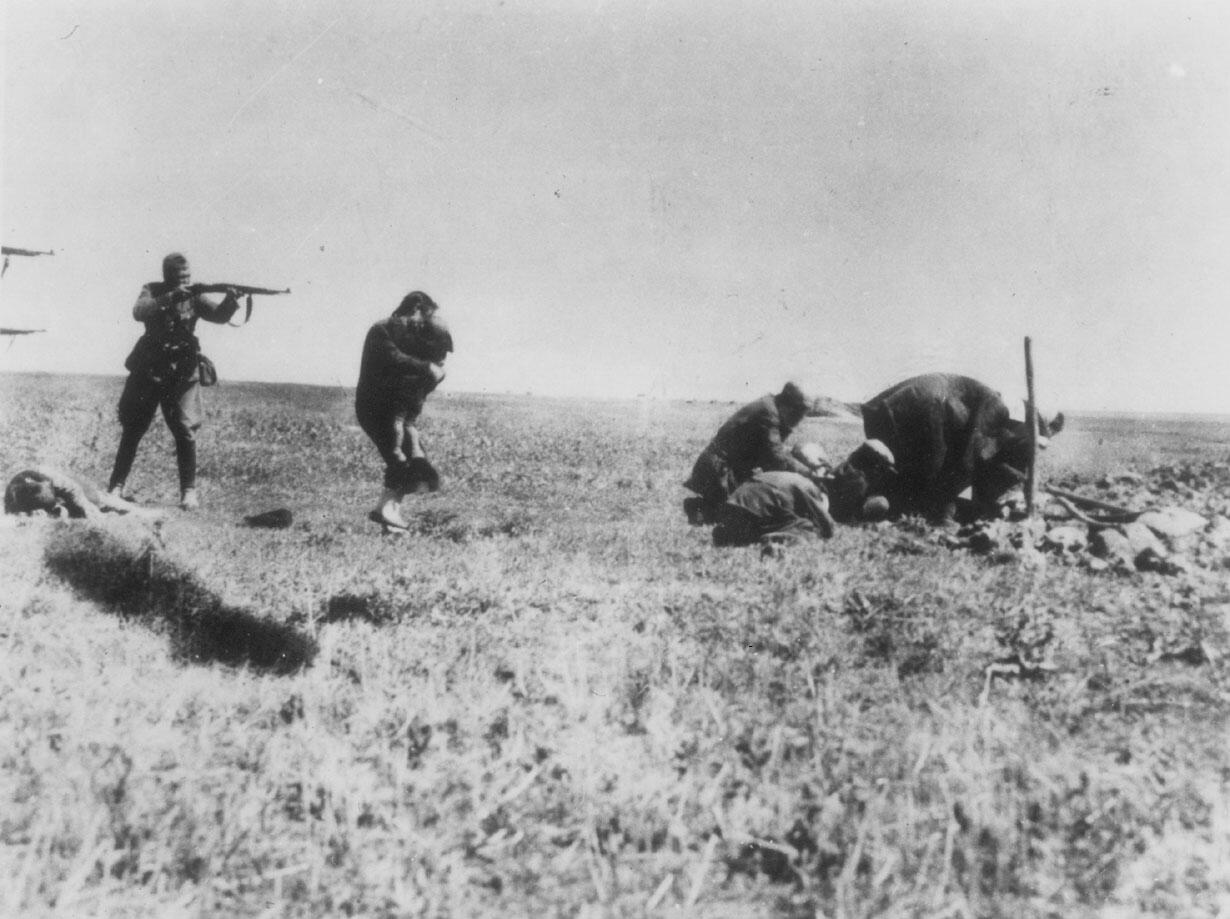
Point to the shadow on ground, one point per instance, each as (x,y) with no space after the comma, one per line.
(132,576)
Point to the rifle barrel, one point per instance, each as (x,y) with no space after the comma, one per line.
(242,289)
(10,250)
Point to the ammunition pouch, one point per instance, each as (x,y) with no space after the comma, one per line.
(207,372)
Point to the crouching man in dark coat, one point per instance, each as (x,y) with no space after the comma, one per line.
(773,507)
(752,438)
(858,487)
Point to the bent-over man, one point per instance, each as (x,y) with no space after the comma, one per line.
(773,506)
(752,438)
(164,372)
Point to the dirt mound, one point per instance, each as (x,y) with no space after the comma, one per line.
(827,407)
(1173,520)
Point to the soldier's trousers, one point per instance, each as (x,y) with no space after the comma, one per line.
(181,410)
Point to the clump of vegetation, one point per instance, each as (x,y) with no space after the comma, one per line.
(555,697)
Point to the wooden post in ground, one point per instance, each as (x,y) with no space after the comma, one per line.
(1031,420)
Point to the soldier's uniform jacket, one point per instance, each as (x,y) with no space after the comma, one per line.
(752,438)
(169,350)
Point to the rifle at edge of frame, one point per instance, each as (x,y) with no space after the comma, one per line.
(242,290)
(9,250)
(21,331)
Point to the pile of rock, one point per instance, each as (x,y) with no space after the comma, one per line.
(1126,521)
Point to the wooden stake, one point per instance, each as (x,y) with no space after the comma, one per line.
(1031,420)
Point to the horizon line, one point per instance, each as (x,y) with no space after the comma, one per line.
(640,397)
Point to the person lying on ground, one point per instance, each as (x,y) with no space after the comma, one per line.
(54,493)
(752,438)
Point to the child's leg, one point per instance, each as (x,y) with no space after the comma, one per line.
(416,442)
(414,408)
(400,429)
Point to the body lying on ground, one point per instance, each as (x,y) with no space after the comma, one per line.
(52,492)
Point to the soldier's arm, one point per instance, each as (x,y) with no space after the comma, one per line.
(211,310)
(147,305)
(776,456)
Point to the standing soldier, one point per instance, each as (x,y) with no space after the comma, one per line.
(750,439)
(164,371)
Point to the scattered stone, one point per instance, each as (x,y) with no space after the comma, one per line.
(984,541)
(1053,510)
(1218,533)
(1176,526)
(1112,545)
(1066,539)
(1167,539)
(1120,477)
(1150,560)
(1143,540)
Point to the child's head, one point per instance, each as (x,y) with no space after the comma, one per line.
(422,332)
(437,341)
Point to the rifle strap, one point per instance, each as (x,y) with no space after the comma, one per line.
(247,314)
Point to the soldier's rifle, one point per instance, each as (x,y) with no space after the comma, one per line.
(7,251)
(21,331)
(243,290)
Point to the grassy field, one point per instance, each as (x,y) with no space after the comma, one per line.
(558,699)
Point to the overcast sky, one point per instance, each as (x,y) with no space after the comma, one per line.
(675,199)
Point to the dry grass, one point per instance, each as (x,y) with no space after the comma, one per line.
(557,699)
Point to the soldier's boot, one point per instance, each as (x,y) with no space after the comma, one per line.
(185,460)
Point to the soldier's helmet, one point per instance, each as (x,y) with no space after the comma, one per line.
(172,265)
(793,397)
